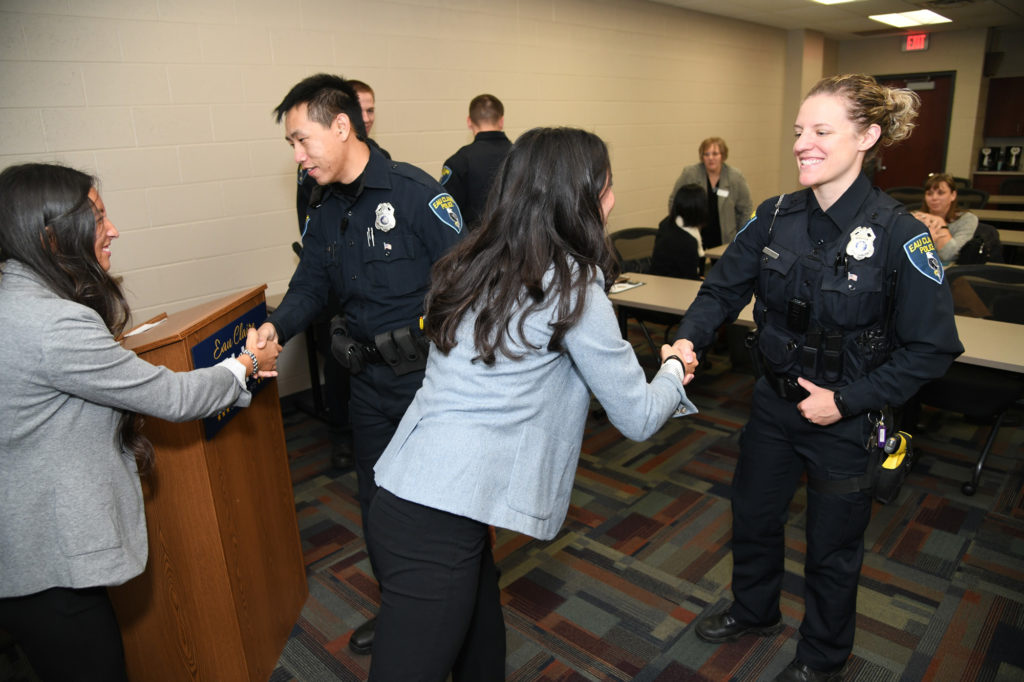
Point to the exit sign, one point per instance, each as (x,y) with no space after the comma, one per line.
(915,42)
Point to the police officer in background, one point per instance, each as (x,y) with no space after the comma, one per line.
(337,383)
(373,230)
(853,315)
(469,173)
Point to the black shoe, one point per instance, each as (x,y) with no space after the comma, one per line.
(361,641)
(341,455)
(723,627)
(797,671)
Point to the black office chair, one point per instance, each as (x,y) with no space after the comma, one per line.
(961,183)
(981,393)
(633,247)
(911,197)
(971,198)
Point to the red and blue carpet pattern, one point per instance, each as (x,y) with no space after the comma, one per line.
(645,553)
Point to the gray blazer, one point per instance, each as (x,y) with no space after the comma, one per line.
(71,512)
(500,444)
(734,211)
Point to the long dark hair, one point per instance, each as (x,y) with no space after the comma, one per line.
(48,224)
(543,213)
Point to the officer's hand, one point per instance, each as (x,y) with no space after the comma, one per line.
(267,333)
(820,406)
(684,349)
(266,353)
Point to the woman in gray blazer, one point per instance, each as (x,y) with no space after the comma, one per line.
(522,331)
(71,515)
(729,203)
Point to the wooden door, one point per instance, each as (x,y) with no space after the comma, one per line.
(908,163)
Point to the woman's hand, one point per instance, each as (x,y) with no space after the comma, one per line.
(266,355)
(936,227)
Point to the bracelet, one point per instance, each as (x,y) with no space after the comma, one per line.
(252,356)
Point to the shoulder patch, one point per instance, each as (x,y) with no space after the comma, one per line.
(446,174)
(920,251)
(447,211)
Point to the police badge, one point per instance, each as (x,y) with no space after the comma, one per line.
(862,243)
(385,221)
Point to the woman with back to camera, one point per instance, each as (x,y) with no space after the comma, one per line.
(950,228)
(71,512)
(678,249)
(728,197)
(853,315)
(522,332)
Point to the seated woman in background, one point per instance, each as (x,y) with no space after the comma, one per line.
(728,197)
(521,332)
(950,228)
(678,249)
(72,520)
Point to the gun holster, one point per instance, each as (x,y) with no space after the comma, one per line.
(346,350)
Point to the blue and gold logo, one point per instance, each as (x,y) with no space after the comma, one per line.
(445,208)
(921,252)
(446,174)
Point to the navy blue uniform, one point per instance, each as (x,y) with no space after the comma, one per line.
(469,173)
(873,321)
(371,253)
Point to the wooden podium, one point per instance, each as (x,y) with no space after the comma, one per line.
(225,581)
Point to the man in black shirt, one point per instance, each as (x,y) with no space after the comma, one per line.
(469,173)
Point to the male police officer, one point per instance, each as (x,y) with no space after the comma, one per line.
(337,384)
(469,173)
(373,230)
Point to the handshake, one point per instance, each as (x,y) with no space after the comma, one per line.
(259,354)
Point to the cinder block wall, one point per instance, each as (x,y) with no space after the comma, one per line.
(168,102)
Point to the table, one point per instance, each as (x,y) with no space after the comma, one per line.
(987,343)
(994,215)
(1011,237)
(1007,199)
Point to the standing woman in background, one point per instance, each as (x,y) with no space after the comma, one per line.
(522,331)
(72,520)
(853,316)
(729,203)
(950,228)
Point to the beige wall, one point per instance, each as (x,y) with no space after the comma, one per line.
(960,51)
(169,103)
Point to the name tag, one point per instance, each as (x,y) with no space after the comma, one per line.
(722,192)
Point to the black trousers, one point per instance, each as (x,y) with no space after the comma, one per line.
(776,446)
(440,605)
(379,398)
(68,635)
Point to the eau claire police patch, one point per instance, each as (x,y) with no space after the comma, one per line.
(445,208)
(446,174)
(921,252)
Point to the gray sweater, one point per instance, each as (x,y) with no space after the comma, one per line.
(71,512)
(499,444)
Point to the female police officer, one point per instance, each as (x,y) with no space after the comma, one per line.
(853,315)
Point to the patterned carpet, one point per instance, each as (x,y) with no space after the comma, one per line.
(645,553)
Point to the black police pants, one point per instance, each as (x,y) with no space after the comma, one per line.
(68,635)
(776,447)
(440,604)
(379,398)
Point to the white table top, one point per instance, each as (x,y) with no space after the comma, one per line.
(987,343)
(1012,237)
(995,215)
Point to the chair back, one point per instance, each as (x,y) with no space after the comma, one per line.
(971,198)
(633,247)
(991,291)
(961,183)
(911,197)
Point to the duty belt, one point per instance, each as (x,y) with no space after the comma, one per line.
(786,387)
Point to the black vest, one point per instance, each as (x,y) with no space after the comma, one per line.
(821,313)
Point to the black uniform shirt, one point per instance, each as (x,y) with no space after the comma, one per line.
(372,252)
(469,173)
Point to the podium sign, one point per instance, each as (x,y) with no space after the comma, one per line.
(224,343)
